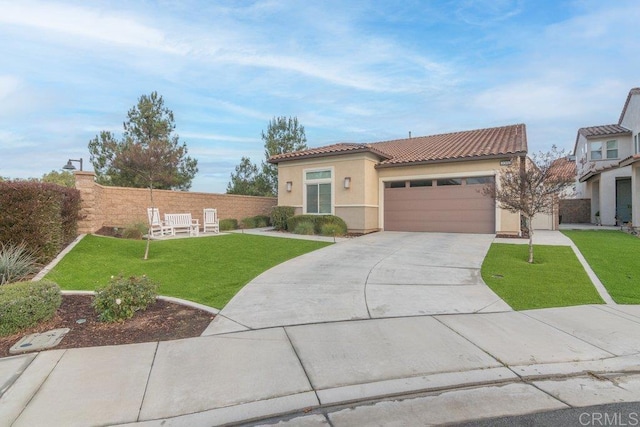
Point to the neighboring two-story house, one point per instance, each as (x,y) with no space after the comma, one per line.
(608,166)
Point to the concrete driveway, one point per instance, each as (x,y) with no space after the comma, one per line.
(387,274)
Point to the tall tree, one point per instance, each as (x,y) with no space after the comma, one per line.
(531,186)
(247,180)
(284,135)
(149,154)
(148,124)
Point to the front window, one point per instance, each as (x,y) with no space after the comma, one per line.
(318,185)
(636,143)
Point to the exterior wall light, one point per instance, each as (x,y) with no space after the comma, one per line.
(347,182)
(289,186)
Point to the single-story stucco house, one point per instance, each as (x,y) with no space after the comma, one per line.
(426,183)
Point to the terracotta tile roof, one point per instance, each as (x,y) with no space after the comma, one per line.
(596,170)
(491,142)
(633,91)
(630,160)
(328,150)
(564,167)
(603,130)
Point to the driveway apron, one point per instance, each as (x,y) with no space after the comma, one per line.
(386,274)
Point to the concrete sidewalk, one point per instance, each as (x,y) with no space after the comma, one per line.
(490,364)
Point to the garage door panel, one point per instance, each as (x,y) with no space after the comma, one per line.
(439,209)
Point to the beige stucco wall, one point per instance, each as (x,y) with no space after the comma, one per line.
(362,205)
(357,205)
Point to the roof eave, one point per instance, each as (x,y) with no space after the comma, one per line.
(329,154)
(453,159)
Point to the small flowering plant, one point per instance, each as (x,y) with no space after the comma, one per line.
(122,297)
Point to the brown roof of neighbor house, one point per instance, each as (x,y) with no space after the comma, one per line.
(490,142)
(630,160)
(633,91)
(603,130)
(564,167)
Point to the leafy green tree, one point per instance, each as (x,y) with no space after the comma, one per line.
(284,135)
(149,155)
(247,180)
(64,178)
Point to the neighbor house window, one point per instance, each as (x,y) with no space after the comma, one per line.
(596,151)
(608,150)
(318,185)
(612,149)
(636,143)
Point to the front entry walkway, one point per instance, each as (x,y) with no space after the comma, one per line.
(387,274)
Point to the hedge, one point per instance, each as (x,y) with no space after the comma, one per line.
(42,215)
(255,221)
(228,224)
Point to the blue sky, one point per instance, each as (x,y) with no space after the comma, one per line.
(350,70)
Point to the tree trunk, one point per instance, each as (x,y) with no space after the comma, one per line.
(530,240)
(146,250)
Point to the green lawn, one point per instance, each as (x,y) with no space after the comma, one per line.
(615,258)
(207,270)
(555,279)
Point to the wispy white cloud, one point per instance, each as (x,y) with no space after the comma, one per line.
(99,24)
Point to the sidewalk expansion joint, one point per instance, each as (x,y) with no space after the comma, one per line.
(304,369)
(146,387)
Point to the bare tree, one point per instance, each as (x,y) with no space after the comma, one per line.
(149,164)
(531,186)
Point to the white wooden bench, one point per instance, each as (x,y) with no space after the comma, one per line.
(182,223)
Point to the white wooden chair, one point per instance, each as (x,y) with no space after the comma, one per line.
(211,220)
(156,226)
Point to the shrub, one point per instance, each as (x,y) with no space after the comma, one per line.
(304,227)
(280,215)
(122,297)
(135,231)
(255,221)
(335,226)
(331,230)
(228,224)
(16,262)
(318,221)
(24,304)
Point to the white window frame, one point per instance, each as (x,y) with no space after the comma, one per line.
(306,182)
(606,149)
(592,150)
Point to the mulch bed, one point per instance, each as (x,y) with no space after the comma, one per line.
(161,321)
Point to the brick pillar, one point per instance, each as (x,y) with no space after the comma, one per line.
(90,216)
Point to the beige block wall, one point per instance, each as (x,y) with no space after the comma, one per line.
(104,206)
